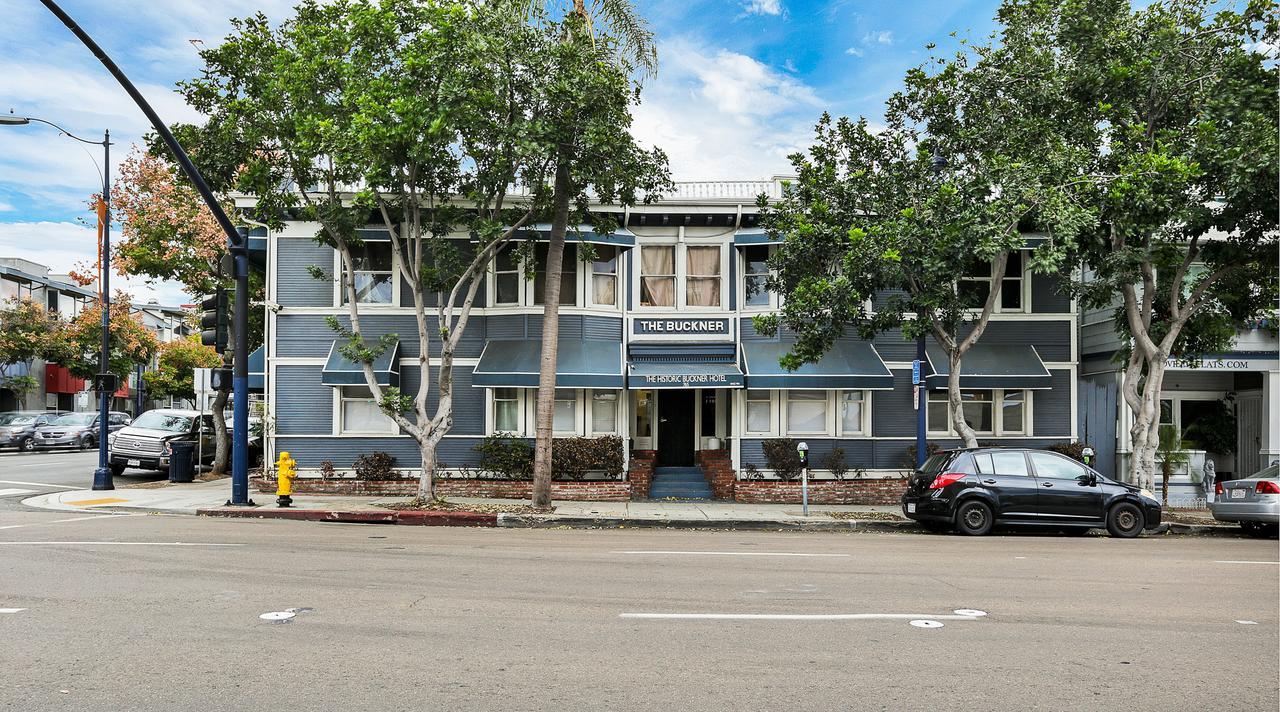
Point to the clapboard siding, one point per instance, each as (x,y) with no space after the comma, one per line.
(1098,401)
(1048,295)
(309,334)
(1051,409)
(303,406)
(310,452)
(295,287)
(468,402)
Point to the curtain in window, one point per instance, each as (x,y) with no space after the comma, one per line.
(658,291)
(703,283)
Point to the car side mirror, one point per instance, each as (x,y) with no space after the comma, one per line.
(1089,480)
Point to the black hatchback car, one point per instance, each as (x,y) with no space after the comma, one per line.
(974,490)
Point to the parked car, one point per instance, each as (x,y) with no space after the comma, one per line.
(255,438)
(78,430)
(147,442)
(1253,502)
(974,490)
(18,428)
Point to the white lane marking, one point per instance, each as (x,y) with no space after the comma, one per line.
(110,543)
(926,624)
(38,484)
(1273,563)
(72,519)
(277,616)
(793,616)
(1240,622)
(12,610)
(969,612)
(9,492)
(728,553)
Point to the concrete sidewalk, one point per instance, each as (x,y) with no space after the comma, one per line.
(210,499)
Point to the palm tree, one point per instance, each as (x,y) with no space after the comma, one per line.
(636,48)
(1171,455)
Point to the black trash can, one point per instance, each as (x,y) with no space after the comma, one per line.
(181,461)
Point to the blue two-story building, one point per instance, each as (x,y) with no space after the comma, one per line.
(657,347)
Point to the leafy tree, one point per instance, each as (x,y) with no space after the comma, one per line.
(1183,112)
(174,374)
(965,162)
(80,349)
(27,332)
(412,116)
(589,127)
(169,234)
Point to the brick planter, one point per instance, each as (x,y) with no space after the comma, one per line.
(641,473)
(717,466)
(587,490)
(877,491)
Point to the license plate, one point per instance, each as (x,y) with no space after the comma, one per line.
(1237,494)
(133,463)
(911,507)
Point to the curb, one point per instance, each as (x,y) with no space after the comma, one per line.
(391,516)
(536,521)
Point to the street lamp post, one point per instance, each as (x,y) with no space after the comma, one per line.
(102,479)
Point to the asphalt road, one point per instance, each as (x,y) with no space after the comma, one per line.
(26,474)
(117,617)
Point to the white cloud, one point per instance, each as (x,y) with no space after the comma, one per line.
(4,207)
(884,37)
(63,246)
(854,51)
(723,115)
(763,7)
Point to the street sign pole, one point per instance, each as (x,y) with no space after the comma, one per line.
(240,376)
(921,394)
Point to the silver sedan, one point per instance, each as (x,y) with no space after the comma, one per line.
(1254,502)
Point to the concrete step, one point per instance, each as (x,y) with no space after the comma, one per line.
(659,492)
(692,477)
(677,470)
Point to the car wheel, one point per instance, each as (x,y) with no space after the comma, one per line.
(1125,520)
(85,443)
(1258,530)
(27,445)
(974,518)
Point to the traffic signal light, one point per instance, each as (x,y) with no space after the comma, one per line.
(213,321)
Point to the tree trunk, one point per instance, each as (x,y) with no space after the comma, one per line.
(1145,432)
(427,472)
(957,404)
(541,496)
(221,436)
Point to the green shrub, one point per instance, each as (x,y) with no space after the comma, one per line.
(781,456)
(1075,451)
(376,466)
(834,461)
(505,456)
(573,458)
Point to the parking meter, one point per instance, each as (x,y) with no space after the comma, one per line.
(1087,454)
(803,449)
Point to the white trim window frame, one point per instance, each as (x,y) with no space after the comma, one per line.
(807,398)
(1016,281)
(512,398)
(361,403)
(843,401)
(658,278)
(570,275)
(340,273)
(756,271)
(757,403)
(998,401)
(604,401)
(505,268)
(571,396)
(597,271)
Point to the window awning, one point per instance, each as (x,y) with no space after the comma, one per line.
(753,236)
(579,364)
(338,371)
(852,365)
(991,366)
(683,366)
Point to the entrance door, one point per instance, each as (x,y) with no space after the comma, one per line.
(1249,435)
(675,428)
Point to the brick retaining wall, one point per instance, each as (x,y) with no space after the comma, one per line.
(587,490)
(717,466)
(641,472)
(877,491)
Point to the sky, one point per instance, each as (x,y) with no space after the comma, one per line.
(739,87)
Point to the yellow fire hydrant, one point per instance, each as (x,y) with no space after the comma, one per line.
(286,471)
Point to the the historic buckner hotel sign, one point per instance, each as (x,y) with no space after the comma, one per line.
(677,327)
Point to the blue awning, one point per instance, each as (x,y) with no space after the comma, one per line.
(686,365)
(754,236)
(991,366)
(258,370)
(579,364)
(338,371)
(850,365)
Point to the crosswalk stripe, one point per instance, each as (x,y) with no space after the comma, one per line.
(12,491)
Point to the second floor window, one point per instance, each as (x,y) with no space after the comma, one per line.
(604,276)
(568,275)
(702,278)
(756,276)
(507,278)
(975,285)
(372,274)
(658,276)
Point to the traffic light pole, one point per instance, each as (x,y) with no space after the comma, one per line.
(240,380)
(102,479)
(236,241)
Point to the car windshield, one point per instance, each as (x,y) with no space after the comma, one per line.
(17,419)
(935,463)
(76,419)
(155,420)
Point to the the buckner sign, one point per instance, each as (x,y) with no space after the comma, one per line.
(681,326)
(685,380)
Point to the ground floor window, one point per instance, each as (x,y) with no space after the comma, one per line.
(806,412)
(360,413)
(604,411)
(759,411)
(506,410)
(855,413)
(981,411)
(566,411)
